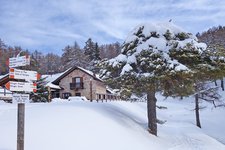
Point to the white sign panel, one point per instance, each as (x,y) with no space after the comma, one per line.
(23,74)
(21,86)
(21,98)
(19,61)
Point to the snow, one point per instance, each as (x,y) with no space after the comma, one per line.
(125,69)
(198,46)
(7,95)
(121,58)
(2,76)
(131,59)
(91,73)
(158,43)
(161,28)
(77,98)
(155,39)
(51,78)
(178,67)
(116,125)
(51,85)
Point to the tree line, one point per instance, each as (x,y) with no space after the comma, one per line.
(51,63)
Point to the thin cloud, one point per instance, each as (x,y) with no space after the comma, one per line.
(51,25)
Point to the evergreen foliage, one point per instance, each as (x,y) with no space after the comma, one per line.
(74,56)
(89,49)
(156,57)
(42,92)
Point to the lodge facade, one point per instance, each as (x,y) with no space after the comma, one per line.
(78,81)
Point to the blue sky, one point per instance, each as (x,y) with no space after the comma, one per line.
(50,25)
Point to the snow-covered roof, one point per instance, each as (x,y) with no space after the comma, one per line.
(90,73)
(50,78)
(2,76)
(112,91)
(53,86)
(72,69)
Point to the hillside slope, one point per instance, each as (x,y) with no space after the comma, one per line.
(113,126)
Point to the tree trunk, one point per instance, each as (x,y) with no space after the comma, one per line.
(222,84)
(197,111)
(151,109)
(215,83)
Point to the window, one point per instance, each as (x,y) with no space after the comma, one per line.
(66,95)
(77,80)
(77,83)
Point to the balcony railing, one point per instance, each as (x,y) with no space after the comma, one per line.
(74,86)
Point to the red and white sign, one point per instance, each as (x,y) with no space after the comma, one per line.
(21,86)
(23,74)
(19,61)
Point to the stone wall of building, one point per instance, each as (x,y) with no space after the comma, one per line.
(89,83)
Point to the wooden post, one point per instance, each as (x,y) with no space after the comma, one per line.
(20,126)
(49,94)
(91,90)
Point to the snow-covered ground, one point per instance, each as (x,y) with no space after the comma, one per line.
(118,125)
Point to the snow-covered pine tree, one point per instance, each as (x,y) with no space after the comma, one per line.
(148,63)
(206,67)
(214,38)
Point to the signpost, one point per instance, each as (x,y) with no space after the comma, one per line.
(24,74)
(21,87)
(21,98)
(19,61)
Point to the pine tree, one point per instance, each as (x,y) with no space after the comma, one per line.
(74,56)
(79,58)
(89,49)
(96,53)
(42,92)
(150,62)
(214,37)
(206,68)
(52,63)
(67,57)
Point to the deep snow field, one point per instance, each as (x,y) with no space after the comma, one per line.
(116,125)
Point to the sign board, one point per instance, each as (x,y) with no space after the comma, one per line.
(21,98)
(21,86)
(19,61)
(23,74)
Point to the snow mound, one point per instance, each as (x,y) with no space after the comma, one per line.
(77,98)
